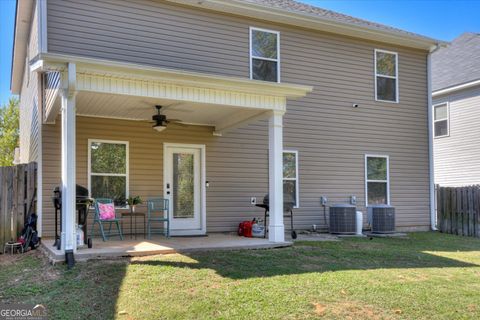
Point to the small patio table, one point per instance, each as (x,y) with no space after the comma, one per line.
(132,215)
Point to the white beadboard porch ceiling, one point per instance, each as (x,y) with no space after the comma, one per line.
(115,106)
(122,90)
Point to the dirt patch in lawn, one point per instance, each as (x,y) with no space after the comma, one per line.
(29,263)
(405,278)
(351,310)
(9,259)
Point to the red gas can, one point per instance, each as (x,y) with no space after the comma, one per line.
(245,229)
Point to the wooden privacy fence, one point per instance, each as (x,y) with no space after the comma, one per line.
(18,189)
(458,210)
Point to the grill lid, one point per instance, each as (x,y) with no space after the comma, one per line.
(288,201)
(81,192)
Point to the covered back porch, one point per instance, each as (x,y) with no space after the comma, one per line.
(117,101)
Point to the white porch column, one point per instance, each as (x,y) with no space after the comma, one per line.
(68,238)
(276,231)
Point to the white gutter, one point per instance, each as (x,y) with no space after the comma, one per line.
(456,88)
(433,216)
(40,107)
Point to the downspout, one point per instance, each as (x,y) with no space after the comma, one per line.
(41,10)
(433,216)
(40,105)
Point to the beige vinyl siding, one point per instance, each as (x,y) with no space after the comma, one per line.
(330,136)
(152,33)
(29,124)
(457,156)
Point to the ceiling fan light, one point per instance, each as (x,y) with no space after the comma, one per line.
(159,128)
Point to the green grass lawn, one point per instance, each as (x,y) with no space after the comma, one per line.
(427,276)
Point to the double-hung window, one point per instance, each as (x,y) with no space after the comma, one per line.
(108,170)
(386,76)
(264,55)
(377,180)
(290,176)
(440,120)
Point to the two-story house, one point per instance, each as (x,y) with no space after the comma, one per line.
(259,96)
(456,102)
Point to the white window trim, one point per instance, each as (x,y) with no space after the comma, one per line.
(126,174)
(447,118)
(367,180)
(251,29)
(297,193)
(397,97)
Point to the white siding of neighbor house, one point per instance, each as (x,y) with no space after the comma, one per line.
(330,136)
(457,156)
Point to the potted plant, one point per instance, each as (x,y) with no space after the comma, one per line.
(133,202)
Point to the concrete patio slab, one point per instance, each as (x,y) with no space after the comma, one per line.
(161,245)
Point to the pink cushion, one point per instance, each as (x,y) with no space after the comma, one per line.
(106,211)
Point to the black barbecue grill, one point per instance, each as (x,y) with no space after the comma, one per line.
(82,204)
(288,204)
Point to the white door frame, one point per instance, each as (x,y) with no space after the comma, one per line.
(203,198)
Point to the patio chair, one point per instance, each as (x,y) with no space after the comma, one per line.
(158,211)
(101,222)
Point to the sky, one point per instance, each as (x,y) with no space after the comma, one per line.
(443,20)
(7,21)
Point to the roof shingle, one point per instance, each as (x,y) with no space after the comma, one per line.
(303,8)
(458,63)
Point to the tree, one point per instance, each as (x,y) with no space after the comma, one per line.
(9,131)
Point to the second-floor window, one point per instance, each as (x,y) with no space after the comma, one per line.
(440,121)
(386,76)
(264,55)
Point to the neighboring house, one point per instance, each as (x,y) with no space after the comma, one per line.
(456,104)
(274,95)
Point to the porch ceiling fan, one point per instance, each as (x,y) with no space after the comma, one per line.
(161,120)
